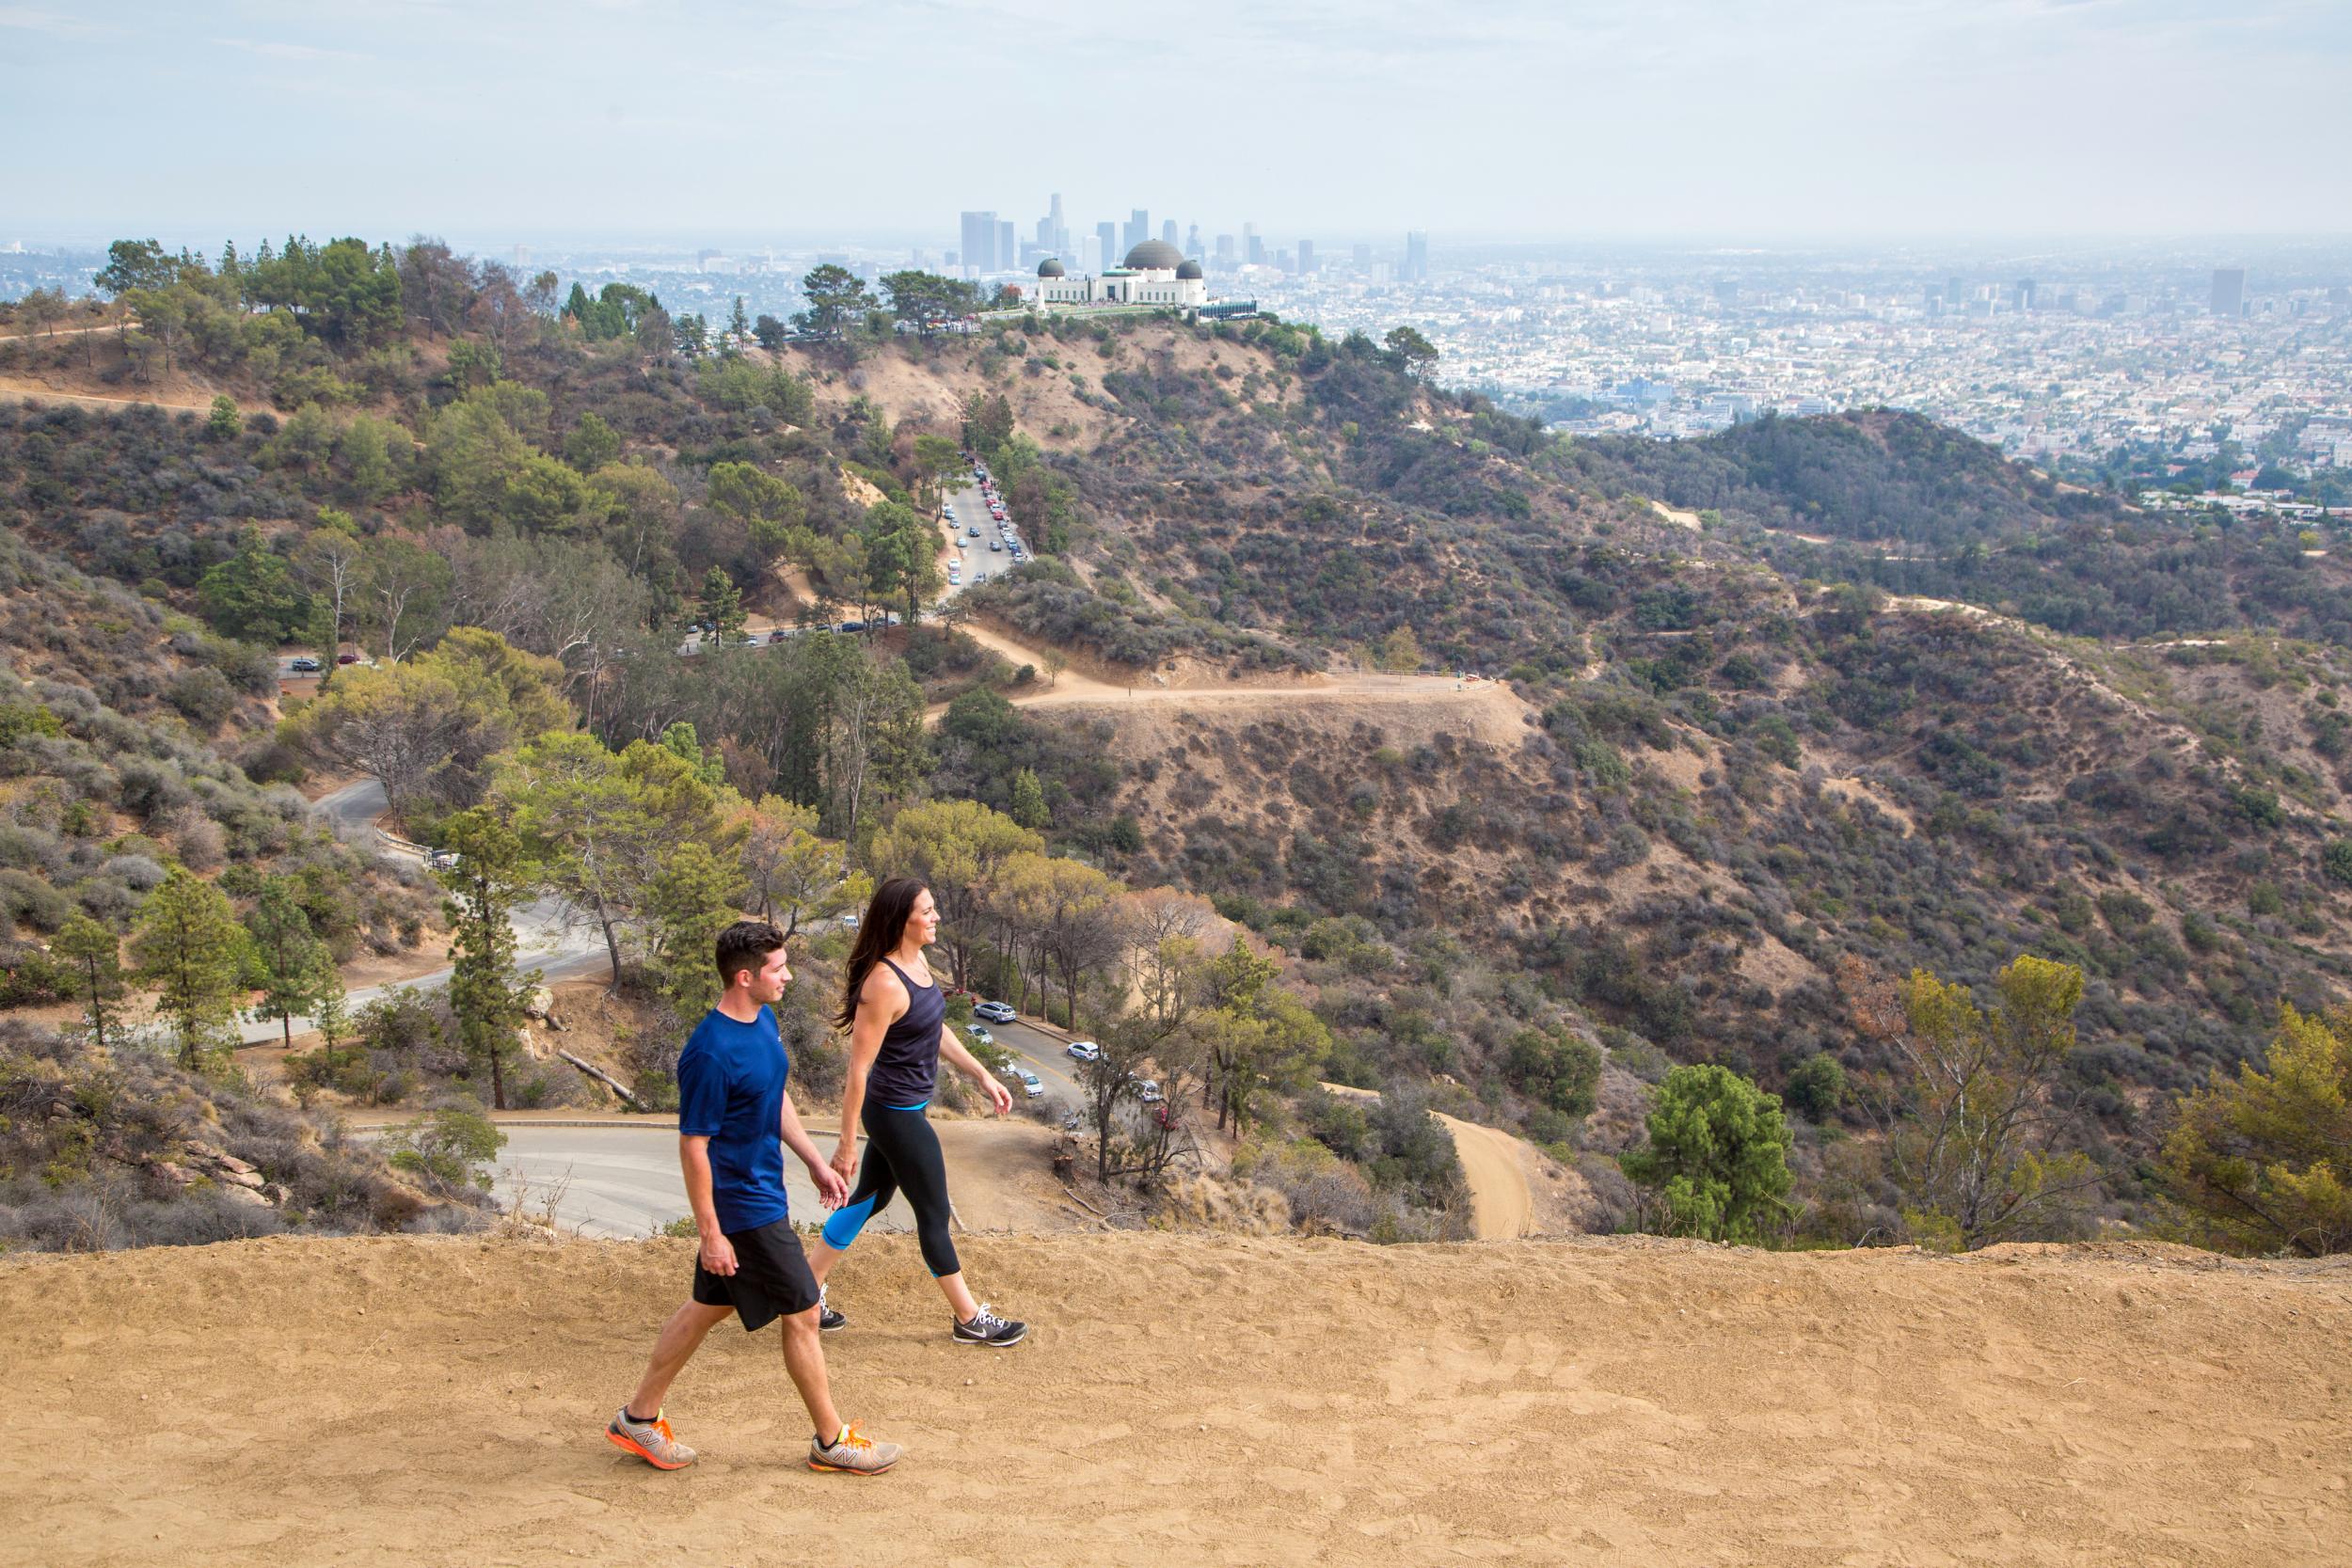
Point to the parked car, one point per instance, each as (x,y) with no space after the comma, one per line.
(302,666)
(1149,1091)
(442,859)
(1029,1083)
(347,659)
(1086,1050)
(1010,1072)
(779,634)
(851,921)
(997,545)
(976,1031)
(995,1012)
(851,625)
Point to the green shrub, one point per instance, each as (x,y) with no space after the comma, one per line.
(1717,1155)
(1817,1086)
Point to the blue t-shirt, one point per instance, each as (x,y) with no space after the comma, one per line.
(730,1089)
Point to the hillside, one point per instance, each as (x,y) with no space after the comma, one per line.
(1253,1402)
(1528,769)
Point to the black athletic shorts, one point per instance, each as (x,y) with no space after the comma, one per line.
(771,1279)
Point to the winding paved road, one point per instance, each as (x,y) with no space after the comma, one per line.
(547,937)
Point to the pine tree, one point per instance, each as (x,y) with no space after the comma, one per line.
(97,968)
(190,947)
(295,964)
(722,604)
(690,903)
(490,881)
(1029,800)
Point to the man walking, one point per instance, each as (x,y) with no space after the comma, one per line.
(735,1120)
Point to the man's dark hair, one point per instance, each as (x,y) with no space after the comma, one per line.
(745,945)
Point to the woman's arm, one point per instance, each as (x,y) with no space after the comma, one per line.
(951,1049)
(881,1002)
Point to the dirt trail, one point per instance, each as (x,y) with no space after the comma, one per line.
(1263,1402)
(1491,709)
(1502,1207)
(33,391)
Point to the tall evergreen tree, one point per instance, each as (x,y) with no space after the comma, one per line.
(191,949)
(486,885)
(97,971)
(291,963)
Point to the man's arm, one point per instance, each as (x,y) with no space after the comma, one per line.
(693,1157)
(830,1189)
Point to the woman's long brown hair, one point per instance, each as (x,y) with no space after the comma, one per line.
(879,933)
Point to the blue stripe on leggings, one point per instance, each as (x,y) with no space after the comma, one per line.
(846,1223)
(917,1106)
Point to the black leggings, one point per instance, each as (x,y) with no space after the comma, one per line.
(901,1155)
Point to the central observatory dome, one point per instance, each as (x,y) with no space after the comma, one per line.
(1154,256)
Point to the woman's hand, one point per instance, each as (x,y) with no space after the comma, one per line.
(844,1163)
(998,1095)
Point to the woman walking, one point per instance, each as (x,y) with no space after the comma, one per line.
(896,1015)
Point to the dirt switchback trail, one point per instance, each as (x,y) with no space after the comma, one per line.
(1502,1207)
(1628,1401)
(1490,709)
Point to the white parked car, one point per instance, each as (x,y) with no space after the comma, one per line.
(1028,1082)
(995,1012)
(1086,1050)
(975,1032)
(1149,1091)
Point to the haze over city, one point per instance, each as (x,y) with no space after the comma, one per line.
(827,124)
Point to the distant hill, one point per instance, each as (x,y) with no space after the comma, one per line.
(1875,476)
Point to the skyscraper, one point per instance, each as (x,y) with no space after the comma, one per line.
(980,241)
(1058,235)
(2025,294)
(1138,227)
(1361,254)
(1192,239)
(2228,291)
(1007,247)
(1954,299)
(1252,246)
(1417,256)
(1306,256)
(1106,234)
(1168,230)
(1225,251)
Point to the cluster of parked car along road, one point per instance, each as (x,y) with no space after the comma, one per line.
(1008,539)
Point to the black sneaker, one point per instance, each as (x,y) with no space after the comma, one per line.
(987,1328)
(827,1319)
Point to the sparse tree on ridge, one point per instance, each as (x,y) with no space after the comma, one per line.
(191,949)
(488,883)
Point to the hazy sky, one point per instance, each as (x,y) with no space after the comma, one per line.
(492,120)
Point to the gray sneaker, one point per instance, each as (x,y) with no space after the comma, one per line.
(649,1441)
(987,1328)
(853,1453)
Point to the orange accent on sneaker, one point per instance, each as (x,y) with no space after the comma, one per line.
(620,1439)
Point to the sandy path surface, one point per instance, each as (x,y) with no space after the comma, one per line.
(1181,1398)
(1490,705)
(1502,1207)
(32,391)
